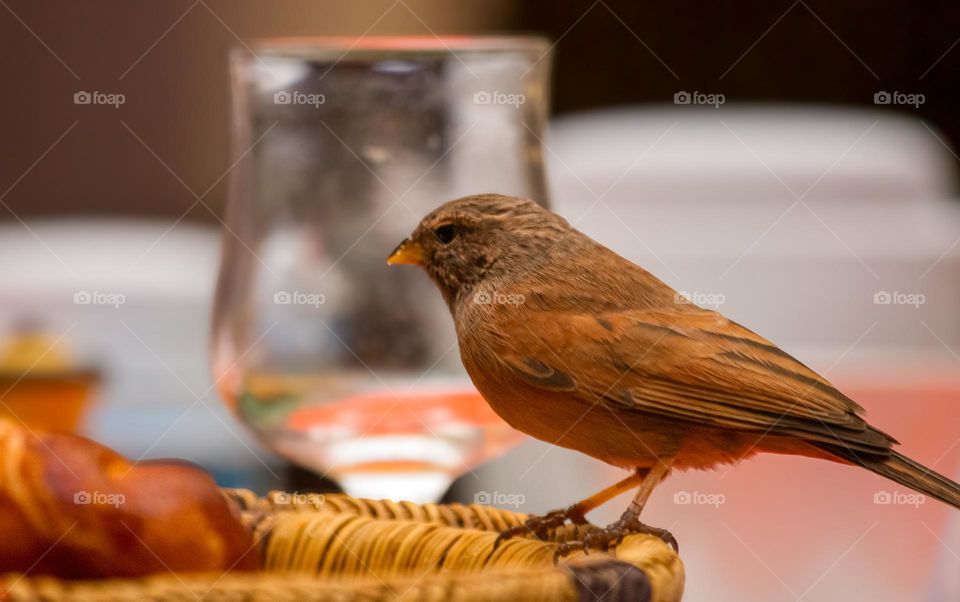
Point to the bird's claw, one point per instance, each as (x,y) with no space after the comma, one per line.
(603,539)
(540,526)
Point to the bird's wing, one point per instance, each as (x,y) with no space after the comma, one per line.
(689,365)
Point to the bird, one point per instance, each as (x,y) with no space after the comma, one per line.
(577,346)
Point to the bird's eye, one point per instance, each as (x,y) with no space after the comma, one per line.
(445,233)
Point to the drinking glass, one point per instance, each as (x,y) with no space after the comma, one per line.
(335,361)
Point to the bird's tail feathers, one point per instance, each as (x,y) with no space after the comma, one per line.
(909,473)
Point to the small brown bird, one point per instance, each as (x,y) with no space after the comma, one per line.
(579,347)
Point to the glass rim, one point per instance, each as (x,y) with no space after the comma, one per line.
(342,46)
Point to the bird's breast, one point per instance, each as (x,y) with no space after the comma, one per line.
(563,419)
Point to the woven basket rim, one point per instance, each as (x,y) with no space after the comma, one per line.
(640,563)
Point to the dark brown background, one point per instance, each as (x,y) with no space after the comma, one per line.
(168,58)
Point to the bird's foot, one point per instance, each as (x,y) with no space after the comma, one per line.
(603,539)
(540,526)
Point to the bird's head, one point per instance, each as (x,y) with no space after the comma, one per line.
(465,241)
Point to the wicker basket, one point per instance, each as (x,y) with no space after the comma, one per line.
(334,547)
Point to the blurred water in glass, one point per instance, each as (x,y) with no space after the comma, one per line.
(339,363)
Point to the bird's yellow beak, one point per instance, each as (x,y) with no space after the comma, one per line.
(406,252)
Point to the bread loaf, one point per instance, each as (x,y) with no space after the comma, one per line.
(72,508)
